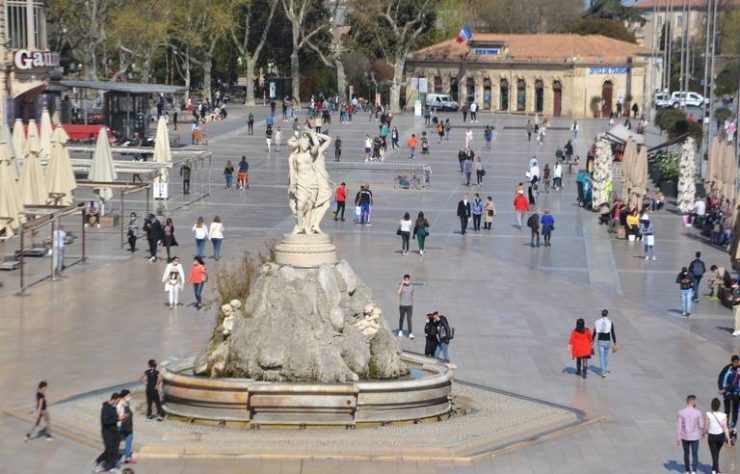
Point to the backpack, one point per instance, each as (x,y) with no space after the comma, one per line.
(697,268)
(531,221)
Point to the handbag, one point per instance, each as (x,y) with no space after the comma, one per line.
(483,172)
(614,348)
(398,230)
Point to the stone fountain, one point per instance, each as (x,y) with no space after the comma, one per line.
(308,346)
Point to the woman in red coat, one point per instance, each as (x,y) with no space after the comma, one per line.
(580,347)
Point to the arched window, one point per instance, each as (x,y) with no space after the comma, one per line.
(521,95)
(607,90)
(438,85)
(470,89)
(454,89)
(557,99)
(539,96)
(504,94)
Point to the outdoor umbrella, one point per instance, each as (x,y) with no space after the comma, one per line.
(45,136)
(59,174)
(639,177)
(11,208)
(102,168)
(628,166)
(602,173)
(6,139)
(686,181)
(162,152)
(19,141)
(33,184)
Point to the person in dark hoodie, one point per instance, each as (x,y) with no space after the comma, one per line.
(731,398)
(108,459)
(430,330)
(685,281)
(444,336)
(154,233)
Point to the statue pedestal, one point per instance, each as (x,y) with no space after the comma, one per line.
(305,250)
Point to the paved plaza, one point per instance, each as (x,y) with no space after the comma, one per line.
(513,308)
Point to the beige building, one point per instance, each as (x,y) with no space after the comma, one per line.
(26,60)
(552,75)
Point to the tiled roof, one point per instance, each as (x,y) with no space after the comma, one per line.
(543,48)
(678,4)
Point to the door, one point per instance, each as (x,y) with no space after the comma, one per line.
(539,96)
(454,89)
(521,95)
(487,94)
(607,90)
(504,94)
(557,99)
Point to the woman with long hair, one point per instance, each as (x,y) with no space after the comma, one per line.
(198,278)
(421,232)
(169,236)
(201,235)
(579,345)
(404,230)
(216,235)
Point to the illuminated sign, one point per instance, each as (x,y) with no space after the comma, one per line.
(25,59)
(486,51)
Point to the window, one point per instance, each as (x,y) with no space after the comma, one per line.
(16,19)
(521,95)
(437,84)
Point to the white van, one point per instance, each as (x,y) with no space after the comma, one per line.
(441,102)
(691,99)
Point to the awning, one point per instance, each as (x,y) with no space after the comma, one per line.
(18,88)
(621,134)
(127,87)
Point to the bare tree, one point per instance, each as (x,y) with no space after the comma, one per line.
(390,29)
(240,33)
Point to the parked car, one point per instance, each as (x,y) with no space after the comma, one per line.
(691,99)
(441,102)
(662,100)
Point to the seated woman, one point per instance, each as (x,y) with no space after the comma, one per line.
(657,200)
(633,224)
(604,214)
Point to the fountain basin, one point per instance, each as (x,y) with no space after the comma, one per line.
(250,402)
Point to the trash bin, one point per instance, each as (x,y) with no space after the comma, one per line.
(585,190)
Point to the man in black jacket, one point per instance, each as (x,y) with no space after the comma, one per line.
(534,225)
(463,212)
(444,335)
(731,400)
(154,231)
(697,269)
(108,459)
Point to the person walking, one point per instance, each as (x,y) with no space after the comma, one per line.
(530,130)
(546,176)
(412,146)
(479,170)
(730,389)
(579,346)
(441,131)
(41,413)
(340,196)
(201,235)
(689,427)
(394,138)
(58,243)
(126,425)
(404,230)
(154,231)
(229,174)
(268,139)
(444,336)
(647,231)
(278,138)
(557,176)
(364,199)
(463,213)
(198,277)
(185,171)
(421,232)
(548,225)
(216,236)
(468,138)
(467,169)
(338,149)
(534,226)
(574,131)
(153,382)
(132,233)
(476,210)
(604,335)
(108,459)
(697,269)
(242,181)
(474,112)
(405,293)
(521,205)
(717,432)
(686,282)
(430,333)
(488,136)
(464,109)
(174,280)
(489,212)
(368,147)
(250,124)
(168,236)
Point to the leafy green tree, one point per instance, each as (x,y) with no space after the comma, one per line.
(600,26)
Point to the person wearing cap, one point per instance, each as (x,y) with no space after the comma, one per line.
(126,425)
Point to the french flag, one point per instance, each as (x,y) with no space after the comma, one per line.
(466,34)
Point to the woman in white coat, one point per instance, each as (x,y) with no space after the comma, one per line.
(174,280)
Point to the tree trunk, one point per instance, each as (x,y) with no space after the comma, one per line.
(187,74)
(207,66)
(251,63)
(341,78)
(295,67)
(91,66)
(146,68)
(396,84)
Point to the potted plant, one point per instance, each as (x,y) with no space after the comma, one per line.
(596,105)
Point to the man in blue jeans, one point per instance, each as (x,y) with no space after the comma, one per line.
(697,270)
(686,282)
(364,199)
(604,335)
(444,335)
(689,427)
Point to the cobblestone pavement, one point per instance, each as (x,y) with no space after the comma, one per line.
(513,307)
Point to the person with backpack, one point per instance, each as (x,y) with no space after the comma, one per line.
(580,347)
(534,226)
(363,200)
(430,331)
(476,209)
(697,269)
(731,399)
(685,281)
(242,181)
(154,231)
(174,280)
(448,128)
(444,335)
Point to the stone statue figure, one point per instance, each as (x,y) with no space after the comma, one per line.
(310,188)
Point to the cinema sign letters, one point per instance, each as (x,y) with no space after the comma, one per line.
(26,60)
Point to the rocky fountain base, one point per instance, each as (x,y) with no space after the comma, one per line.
(308,346)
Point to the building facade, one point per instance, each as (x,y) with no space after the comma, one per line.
(26,62)
(551,75)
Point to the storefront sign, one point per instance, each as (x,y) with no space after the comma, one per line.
(25,59)
(608,70)
(486,51)
(423,85)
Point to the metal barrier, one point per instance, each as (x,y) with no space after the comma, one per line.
(398,175)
